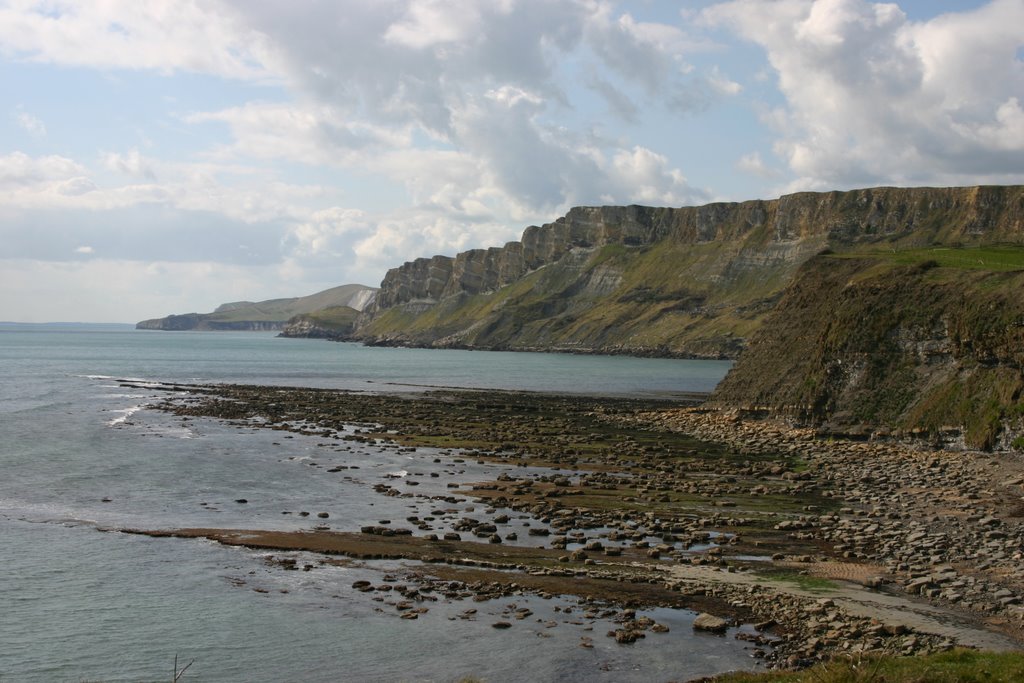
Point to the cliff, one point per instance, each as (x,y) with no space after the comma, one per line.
(334,323)
(878,311)
(271,315)
(692,281)
(207,322)
(926,343)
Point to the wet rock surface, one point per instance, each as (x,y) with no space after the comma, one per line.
(638,503)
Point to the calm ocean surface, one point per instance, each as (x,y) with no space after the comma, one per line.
(80,604)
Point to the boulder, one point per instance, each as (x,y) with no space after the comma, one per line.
(710,623)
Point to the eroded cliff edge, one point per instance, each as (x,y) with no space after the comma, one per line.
(692,281)
(927,343)
(879,311)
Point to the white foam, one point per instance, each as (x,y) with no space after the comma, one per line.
(45,513)
(142,382)
(125,414)
(115,379)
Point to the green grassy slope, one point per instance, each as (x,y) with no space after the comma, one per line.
(270,314)
(283,309)
(956,666)
(669,298)
(334,322)
(694,281)
(889,308)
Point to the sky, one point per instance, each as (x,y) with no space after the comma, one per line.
(166,156)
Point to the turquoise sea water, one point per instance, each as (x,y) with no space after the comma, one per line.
(80,604)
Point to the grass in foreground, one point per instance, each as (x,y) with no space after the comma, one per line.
(813,584)
(955,666)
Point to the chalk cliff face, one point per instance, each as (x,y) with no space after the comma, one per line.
(694,281)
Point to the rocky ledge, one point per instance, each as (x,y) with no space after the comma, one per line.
(308,328)
(828,546)
(945,526)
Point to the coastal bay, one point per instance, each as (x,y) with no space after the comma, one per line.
(671,499)
(87,452)
(270,517)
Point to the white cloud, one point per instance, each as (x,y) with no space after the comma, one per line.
(131,164)
(411,234)
(163,35)
(22,175)
(408,62)
(510,96)
(367,80)
(428,23)
(468,108)
(648,54)
(73,187)
(325,233)
(481,79)
(45,291)
(30,124)
(59,183)
(722,84)
(649,178)
(873,97)
(206,212)
(651,57)
(1006,131)
(310,134)
(508,163)
(753,163)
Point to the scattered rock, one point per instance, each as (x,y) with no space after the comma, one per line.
(710,623)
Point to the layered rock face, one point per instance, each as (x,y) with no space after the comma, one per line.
(694,281)
(860,345)
(334,323)
(891,310)
(307,327)
(484,270)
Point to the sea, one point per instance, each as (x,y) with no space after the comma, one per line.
(83,455)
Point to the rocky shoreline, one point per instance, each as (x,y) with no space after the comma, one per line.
(945,525)
(828,546)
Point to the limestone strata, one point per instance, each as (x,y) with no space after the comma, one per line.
(990,212)
(727,261)
(866,345)
(483,270)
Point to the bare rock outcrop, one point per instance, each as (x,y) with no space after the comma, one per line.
(691,281)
